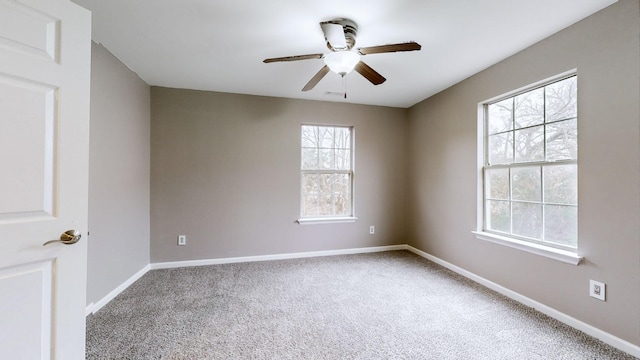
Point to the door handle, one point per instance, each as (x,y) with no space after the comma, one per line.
(68,237)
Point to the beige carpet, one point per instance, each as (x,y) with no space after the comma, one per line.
(391,305)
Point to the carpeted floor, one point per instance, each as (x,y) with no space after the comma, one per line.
(391,305)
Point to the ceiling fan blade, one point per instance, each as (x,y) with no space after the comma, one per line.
(334,34)
(316,78)
(370,74)
(294,58)
(408,46)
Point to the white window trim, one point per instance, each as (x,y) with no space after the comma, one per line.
(565,256)
(326,220)
(538,249)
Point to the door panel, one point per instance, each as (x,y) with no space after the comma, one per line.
(45,50)
(28,323)
(25,29)
(27,187)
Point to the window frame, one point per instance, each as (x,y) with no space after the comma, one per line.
(555,251)
(333,218)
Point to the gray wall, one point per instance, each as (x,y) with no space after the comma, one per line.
(118,175)
(443,147)
(226,173)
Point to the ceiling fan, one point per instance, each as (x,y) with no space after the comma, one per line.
(340,35)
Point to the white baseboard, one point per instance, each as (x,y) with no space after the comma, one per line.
(299,255)
(94,307)
(560,316)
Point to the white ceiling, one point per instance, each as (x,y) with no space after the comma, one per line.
(219,45)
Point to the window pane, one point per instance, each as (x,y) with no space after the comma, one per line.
(497,183)
(326,183)
(529,108)
(309,136)
(335,194)
(343,159)
(343,138)
(310,184)
(562,99)
(498,218)
(561,225)
(310,205)
(501,116)
(561,184)
(530,144)
(527,220)
(526,184)
(326,204)
(326,137)
(309,159)
(342,204)
(501,148)
(342,183)
(562,140)
(327,159)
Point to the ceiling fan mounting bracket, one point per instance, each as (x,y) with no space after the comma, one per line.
(350,29)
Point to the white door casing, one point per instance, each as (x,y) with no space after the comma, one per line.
(45,60)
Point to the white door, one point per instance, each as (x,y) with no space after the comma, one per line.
(45,51)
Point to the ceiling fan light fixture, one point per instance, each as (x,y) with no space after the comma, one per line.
(342,62)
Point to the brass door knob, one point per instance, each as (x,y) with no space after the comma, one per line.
(68,237)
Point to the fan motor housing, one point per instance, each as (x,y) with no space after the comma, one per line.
(350,29)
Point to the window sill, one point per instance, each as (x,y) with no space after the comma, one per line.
(549,252)
(326,220)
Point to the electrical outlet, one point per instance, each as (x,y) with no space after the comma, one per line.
(182,240)
(372,229)
(597,289)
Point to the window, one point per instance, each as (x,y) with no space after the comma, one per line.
(326,172)
(530,170)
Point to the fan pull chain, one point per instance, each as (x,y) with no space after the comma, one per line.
(344,85)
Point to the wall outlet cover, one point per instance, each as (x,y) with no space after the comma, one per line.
(597,290)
